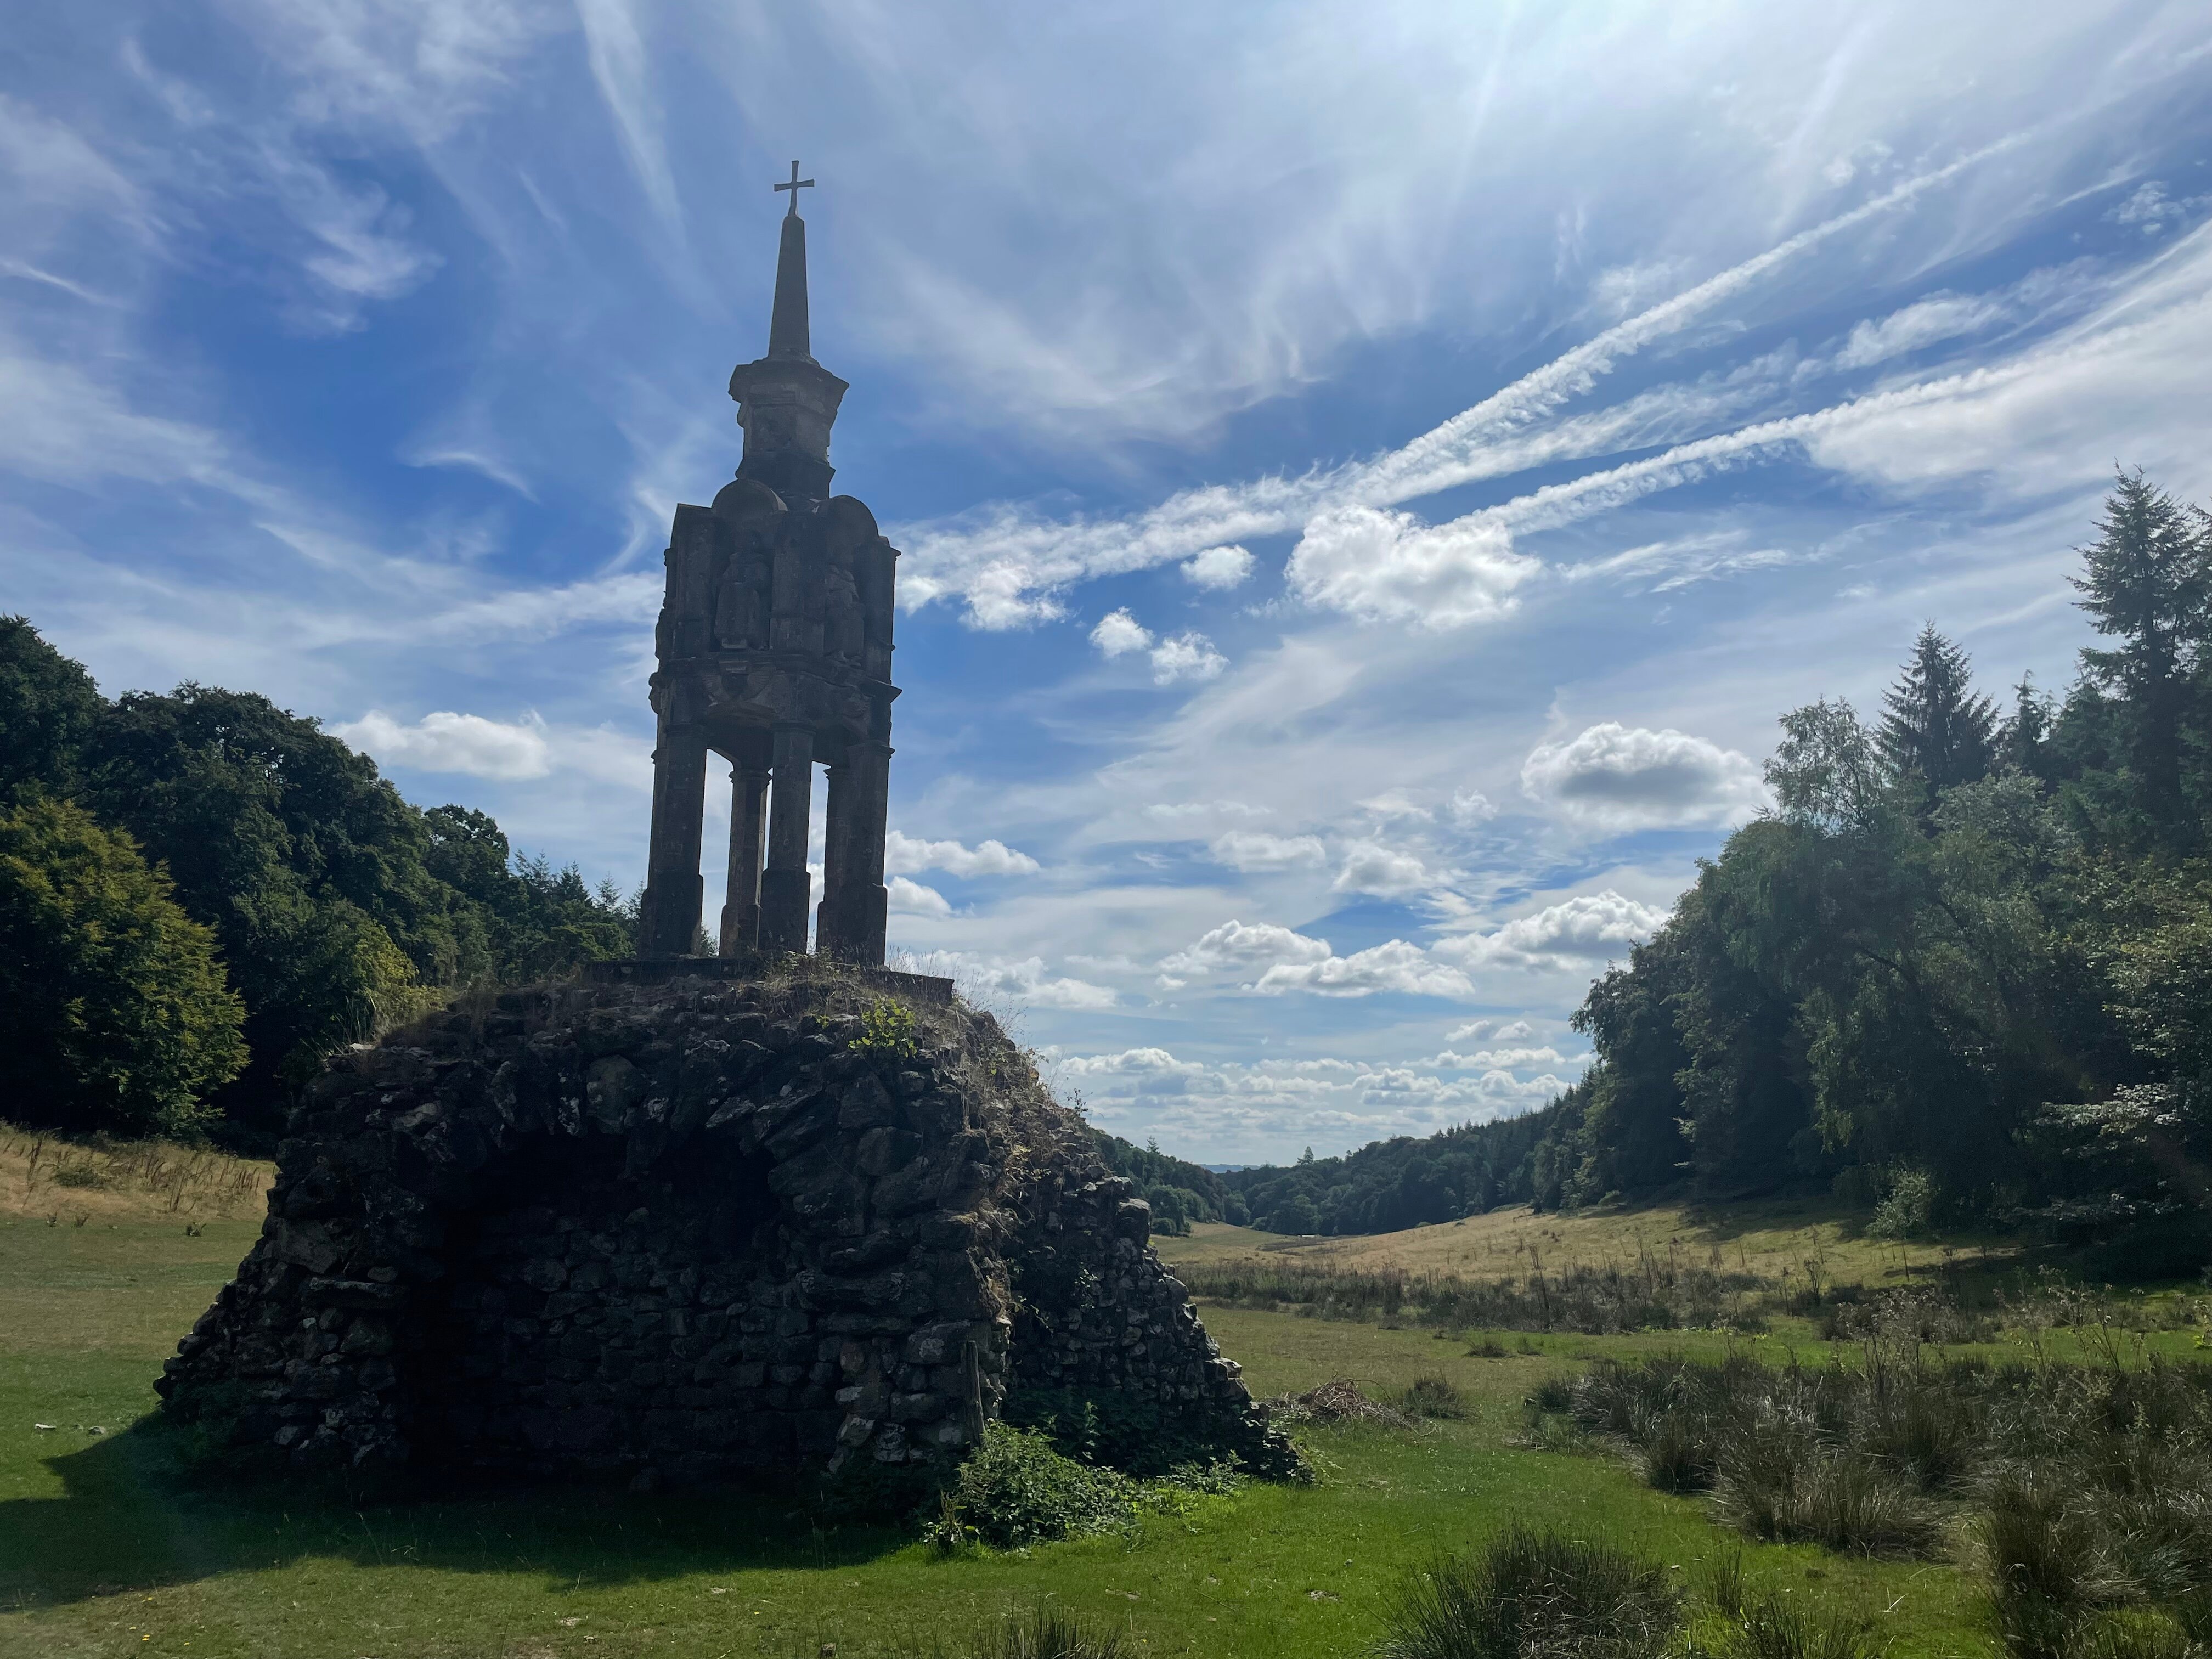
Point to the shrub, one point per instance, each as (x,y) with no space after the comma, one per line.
(1434,1396)
(1529,1594)
(114,1013)
(886,1028)
(1016,1489)
(1907,1210)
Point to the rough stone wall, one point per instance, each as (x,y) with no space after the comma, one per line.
(689,1232)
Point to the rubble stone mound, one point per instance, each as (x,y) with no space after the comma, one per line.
(690,1231)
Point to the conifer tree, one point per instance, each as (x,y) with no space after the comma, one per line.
(2146,584)
(1935,727)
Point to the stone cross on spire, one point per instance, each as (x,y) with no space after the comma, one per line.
(796,184)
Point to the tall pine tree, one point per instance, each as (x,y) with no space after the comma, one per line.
(2146,585)
(1934,726)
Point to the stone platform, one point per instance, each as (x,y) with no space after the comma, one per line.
(689,1230)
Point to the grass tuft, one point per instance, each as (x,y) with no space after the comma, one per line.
(1533,1594)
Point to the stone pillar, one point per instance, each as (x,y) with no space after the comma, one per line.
(830,922)
(866,904)
(741,903)
(668,918)
(785,886)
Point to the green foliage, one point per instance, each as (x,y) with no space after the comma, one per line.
(1907,1210)
(339,909)
(1534,1593)
(886,1029)
(1964,965)
(114,1013)
(1017,1489)
(48,705)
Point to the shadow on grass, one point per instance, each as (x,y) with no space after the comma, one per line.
(129,1520)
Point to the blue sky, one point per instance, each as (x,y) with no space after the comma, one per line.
(1369,475)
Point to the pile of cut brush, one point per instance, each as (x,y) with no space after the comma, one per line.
(1339,1402)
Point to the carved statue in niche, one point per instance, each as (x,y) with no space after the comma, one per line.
(844,630)
(740,609)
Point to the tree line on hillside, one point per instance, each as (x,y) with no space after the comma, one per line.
(201,896)
(1960,972)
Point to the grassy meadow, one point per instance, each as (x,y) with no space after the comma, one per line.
(104,1551)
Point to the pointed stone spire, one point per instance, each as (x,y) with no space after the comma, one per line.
(786,401)
(786,326)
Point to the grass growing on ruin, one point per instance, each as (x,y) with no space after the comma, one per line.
(100,1553)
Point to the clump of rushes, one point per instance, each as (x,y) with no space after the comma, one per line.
(1434,1396)
(1040,1633)
(1534,1593)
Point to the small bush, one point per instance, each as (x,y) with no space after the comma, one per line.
(1533,1594)
(1489,1348)
(1434,1396)
(1017,1490)
(886,1028)
(1907,1210)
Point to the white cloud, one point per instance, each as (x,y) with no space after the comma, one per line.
(1379,565)
(1118,633)
(906,855)
(2151,210)
(1510,1059)
(981,977)
(446,742)
(1241,944)
(911,898)
(1252,849)
(1006,562)
(1394,966)
(1487,1030)
(1219,567)
(1371,867)
(1186,657)
(1939,317)
(1564,937)
(1684,560)
(1469,807)
(1627,777)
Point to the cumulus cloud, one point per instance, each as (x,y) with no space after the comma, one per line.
(1510,1059)
(911,898)
(1564,937)
(1625,777)
(1939,317)
(911,855)
(1253,849)
(1118,633)
(1219,567)
(1487,1030)
(1243,945)
(446,742)
(1371,867)
(1186,657)
(1378,564)
(1394,966)
(1022,980)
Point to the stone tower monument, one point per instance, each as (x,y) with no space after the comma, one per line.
(774,649)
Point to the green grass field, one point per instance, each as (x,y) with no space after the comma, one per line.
(101,1551)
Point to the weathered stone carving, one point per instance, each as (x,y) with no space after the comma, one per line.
(775,648)
(687,1231)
